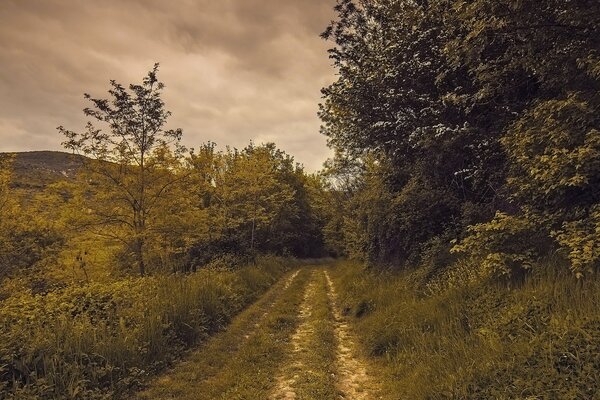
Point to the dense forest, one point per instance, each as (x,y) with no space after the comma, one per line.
(467,129)
(462,204)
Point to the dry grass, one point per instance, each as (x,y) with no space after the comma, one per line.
(482,340)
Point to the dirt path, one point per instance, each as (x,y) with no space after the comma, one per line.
(353,381)
(215,369)
(286,381)
(293,343)
(308,371)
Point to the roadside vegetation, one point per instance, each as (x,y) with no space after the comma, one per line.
(116,260)
(467,162)
(477,340)
(106,339)
(256,341)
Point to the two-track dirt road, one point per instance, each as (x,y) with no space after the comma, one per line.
(293,343)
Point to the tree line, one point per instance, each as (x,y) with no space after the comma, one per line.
(460,130)
(466,129)
(159,206)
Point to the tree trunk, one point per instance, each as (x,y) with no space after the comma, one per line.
(252,234)
(140,256)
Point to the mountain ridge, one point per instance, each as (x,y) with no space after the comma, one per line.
(34,170)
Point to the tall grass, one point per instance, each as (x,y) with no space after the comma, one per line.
(103,340)
(479,340)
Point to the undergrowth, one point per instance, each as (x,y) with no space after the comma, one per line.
(479,340)
(103,340)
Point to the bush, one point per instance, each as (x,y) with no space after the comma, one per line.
(27,243)
(102,340)
(581,239)
(505,246)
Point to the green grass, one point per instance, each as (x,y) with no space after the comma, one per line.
(102,340)
(313,365)
(240,363)
(483,340)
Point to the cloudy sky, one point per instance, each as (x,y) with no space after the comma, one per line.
(235,70)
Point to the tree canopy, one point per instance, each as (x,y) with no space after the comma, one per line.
(462,114)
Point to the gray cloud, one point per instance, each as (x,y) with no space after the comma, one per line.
(235,70)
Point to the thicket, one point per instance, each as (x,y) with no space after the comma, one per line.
(26,237)
(466,129)
(103,340)
(136,199)
(109,274)
(467,145)
(173,207)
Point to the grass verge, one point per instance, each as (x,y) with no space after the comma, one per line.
(101,341)
(483,340)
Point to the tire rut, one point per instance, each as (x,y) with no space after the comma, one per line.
(298,376)
(181,380)
(353,380)
(285,383)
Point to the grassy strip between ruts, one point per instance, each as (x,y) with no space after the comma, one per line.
(309,371)
(239,363)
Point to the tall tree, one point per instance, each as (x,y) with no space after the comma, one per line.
(132,159)
(398,100)
(469,109)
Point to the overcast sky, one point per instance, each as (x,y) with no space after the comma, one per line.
(235,70)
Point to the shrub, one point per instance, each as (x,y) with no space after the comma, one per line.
(581,239)
(504,246)
(102,340)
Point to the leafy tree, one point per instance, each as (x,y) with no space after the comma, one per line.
(251,200)
(249,194)
(555,173)
(537,63)
(397,100)
(465,114)
(133,161)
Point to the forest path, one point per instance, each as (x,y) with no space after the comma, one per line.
(354,381)
(293,343)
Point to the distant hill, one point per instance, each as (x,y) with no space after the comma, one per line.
(34,170)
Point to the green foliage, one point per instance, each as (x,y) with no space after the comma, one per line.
(134,161)
(555,171)
(582,240)
(476,340)
(554,150)
(392,107)
(6,201)
(100,340)
(174,213)
(480,113)
(504,246)
(26,241)
(251,200)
